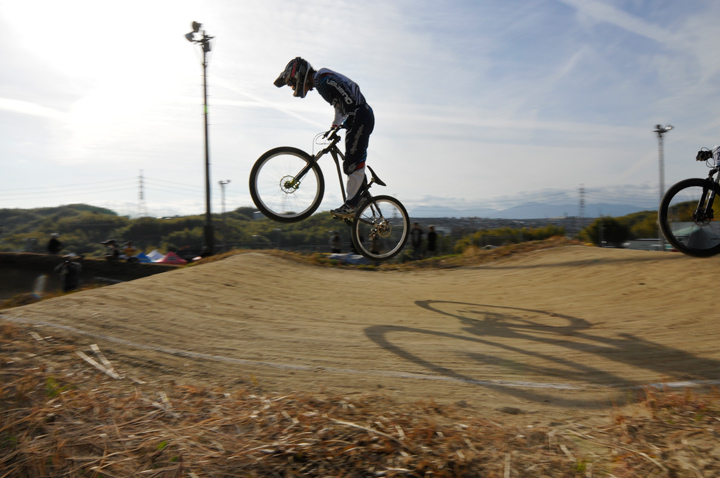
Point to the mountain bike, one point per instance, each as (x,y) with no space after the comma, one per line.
(287,185)
(687,212)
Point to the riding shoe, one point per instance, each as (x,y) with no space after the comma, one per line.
(344,211)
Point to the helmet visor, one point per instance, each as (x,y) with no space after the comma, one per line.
(281,80)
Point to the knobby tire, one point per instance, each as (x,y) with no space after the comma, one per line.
(278,193)
(380,237)
(686,229)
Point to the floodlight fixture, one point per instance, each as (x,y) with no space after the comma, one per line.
(660,129)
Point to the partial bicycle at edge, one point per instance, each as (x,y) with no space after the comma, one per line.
(687,210)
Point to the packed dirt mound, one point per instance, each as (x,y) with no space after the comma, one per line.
(556,333)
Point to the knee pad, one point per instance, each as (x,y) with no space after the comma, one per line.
(349,167)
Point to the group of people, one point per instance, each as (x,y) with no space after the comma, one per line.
(114,251)
(70,268)
(417,242)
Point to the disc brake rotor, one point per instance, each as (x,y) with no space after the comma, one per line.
(289,184)
(384,228)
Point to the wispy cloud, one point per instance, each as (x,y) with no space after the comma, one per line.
(596,11)
(27,108)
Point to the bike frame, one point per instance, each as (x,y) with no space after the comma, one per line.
(337,155)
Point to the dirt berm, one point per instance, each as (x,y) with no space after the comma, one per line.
(556,333)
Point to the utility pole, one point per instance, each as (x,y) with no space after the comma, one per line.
(660,130)
(222,193)
(204,42)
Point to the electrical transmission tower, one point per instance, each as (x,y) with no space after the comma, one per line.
(582,202)
(142,208)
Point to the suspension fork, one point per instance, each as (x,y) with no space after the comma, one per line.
(704,211)
(297,179)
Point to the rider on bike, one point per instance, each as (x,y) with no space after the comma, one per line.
(351,112)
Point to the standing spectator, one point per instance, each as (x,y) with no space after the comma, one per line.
(431,241)
(69,271)
(112,250)
(416,241)
(130,250)
(375,245)
(54,245)
(335,243)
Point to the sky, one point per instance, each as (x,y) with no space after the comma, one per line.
(478,103)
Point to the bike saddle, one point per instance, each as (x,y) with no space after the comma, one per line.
(376,179)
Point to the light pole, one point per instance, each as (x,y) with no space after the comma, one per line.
(222,192)
(204,42)
(660,130)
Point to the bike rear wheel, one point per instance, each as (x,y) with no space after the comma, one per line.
(286,184)
(687,219)
(380,228)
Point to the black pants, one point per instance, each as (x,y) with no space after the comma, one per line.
(359,127)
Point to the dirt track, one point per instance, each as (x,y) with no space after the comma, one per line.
(557,333)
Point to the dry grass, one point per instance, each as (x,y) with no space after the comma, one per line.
(71,413)
(474,256)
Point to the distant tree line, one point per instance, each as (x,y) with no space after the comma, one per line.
(616,231)
(83,228)
(507,235)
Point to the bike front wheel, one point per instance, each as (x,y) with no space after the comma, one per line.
(286,184)
(687,219)
(380,228)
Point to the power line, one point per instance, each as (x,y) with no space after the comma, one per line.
(76,185)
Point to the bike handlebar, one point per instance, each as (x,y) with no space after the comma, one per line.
(331,133)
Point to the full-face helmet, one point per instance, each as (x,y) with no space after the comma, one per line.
(295,75)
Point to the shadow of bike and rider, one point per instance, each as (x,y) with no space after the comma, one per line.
(532,342)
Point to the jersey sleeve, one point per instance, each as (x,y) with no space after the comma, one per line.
(342,93)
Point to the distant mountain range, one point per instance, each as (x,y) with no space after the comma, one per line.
(530,211)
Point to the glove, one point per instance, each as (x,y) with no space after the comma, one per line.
(332,129)
(703,155)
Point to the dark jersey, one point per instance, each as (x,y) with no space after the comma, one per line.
(340,91)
